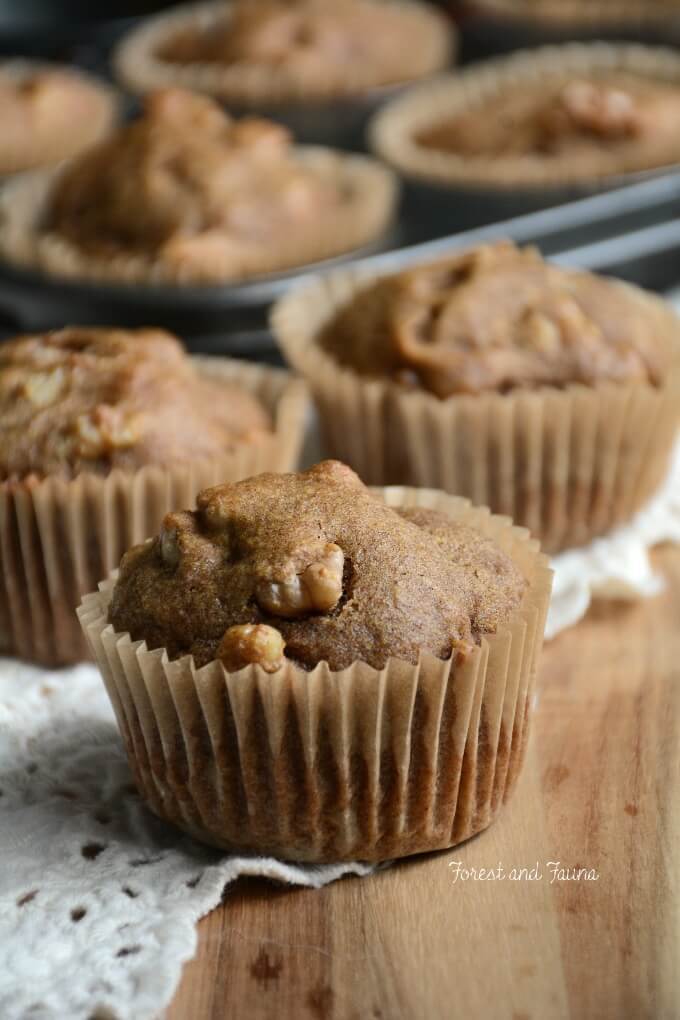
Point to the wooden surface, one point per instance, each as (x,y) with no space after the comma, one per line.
(601,790)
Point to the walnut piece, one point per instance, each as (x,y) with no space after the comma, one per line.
(252,644)
(316,589)
(43,388)
(607,112)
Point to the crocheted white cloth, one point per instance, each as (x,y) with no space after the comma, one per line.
(99,899)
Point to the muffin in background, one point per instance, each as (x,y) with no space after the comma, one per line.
(318,66)
(533,129)
(49,113)
(186,194)
(360,689)
(550,395)
(101,431)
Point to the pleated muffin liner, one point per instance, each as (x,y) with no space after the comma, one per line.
(40,151)
(392,132)
(363,219)
(141,69)
(360,764)
(569,464)
(59,537)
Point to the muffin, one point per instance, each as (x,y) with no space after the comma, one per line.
(101,432)
(550,395)
(49,113)
(535,128)
(305,668)
(317,66)
(186,194)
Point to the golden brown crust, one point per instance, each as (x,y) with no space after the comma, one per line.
(318,558)
(278,51)
(49,113)
(497,318)
(95,399)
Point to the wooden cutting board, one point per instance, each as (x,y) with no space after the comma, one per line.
(600,792)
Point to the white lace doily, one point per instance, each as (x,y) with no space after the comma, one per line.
(99,899)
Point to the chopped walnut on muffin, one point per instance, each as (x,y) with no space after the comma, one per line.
(312,567)
(95,399)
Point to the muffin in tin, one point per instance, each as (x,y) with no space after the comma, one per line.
(534,128)
(362,664)
(186,194)
(550,395)
(50,113)
(101,430)
(319,67)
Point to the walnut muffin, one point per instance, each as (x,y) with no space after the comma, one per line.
(277,51)
(49,113)
(312,566)
(186,193)
(306,668)
(86,399)
(571,115)
(498,318)
(545,393)
(101,430)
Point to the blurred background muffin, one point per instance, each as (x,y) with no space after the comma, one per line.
(186,194)
(533,129)
(50,112)
(100,432)
(547,394)
(318,66)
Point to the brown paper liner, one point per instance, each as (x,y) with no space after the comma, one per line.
(59,537)
(37,150)
(363,220)
(141,70)
(392,132)
(568,464)
(328,766)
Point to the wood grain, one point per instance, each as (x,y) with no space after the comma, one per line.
(601,790)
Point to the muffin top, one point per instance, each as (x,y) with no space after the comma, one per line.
(189,185)
(496,318)
(313,567)
(315,42)
(48,114)
(86,399)
(577,116)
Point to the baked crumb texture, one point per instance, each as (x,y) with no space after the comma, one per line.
(315,563)
(97,399)
(497,318)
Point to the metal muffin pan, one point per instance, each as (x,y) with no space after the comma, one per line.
(226,319)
